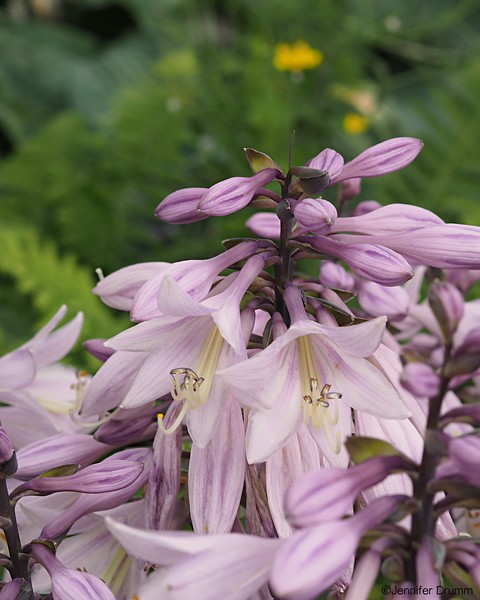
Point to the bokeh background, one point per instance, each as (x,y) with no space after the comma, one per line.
(106,106)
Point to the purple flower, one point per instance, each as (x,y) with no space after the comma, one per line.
(314,558)
(195,277)
(420,380)
(372,261)
(182,206)
(69,584)
(320,373)
(315,214)
(217,474)
(233,194)
(330,493)
(383,158)
(6,448)
(107,476)
(61,449)
(204,567)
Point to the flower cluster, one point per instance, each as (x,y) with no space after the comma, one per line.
(259,432)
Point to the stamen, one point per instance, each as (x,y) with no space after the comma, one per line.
(318,402)
(174,426)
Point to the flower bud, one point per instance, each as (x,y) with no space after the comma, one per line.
(420,380)
(107,476)
(394,218)
(351,188)
(365,207)
(70,584)
(447,304)
(265,225)
(233,194)
(181,207)
(6,447)
(333,275)
(315,214)
(386,157)
(377,300)
(328,160)
(371,261)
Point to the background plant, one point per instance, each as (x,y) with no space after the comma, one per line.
(107,107)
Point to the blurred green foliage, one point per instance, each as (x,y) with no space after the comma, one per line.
(106,107)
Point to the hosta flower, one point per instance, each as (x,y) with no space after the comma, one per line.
(204,567)
(314,558)
(315,374)
(383,158)
(92,549)
(34,388)
(181,354)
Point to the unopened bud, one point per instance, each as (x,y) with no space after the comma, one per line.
(8,463)
(447,304)
(420,380)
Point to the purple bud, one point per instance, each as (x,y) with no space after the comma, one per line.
(463,279)
(427,576)
(96,348)
(88,503)
(350,188)
(265,225)
(420,380)
(315,214)
(312,559)
(107,476)
(377,300)
(463,414)
(330,493)
(233,194)
(333,275)
(462,461)
(138,427)
(365,207)
(371,261)
(382,158)
(182,206)
(447,304)
(15,589)
(61,449)
(6,447)
(328,160)
(394,218)
(70,584)
(446,246)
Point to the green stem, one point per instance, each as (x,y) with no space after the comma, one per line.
(19,561)
(424,520)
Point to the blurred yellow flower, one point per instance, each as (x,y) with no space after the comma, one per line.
(354,124)
(296,57)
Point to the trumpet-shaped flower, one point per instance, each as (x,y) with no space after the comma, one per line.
(315,374)
(195,277)
(181,354)
(31,384)
(204,567)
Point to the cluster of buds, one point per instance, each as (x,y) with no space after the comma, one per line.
(260,432)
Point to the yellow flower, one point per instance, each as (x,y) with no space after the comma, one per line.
(296,57)
(354,124)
